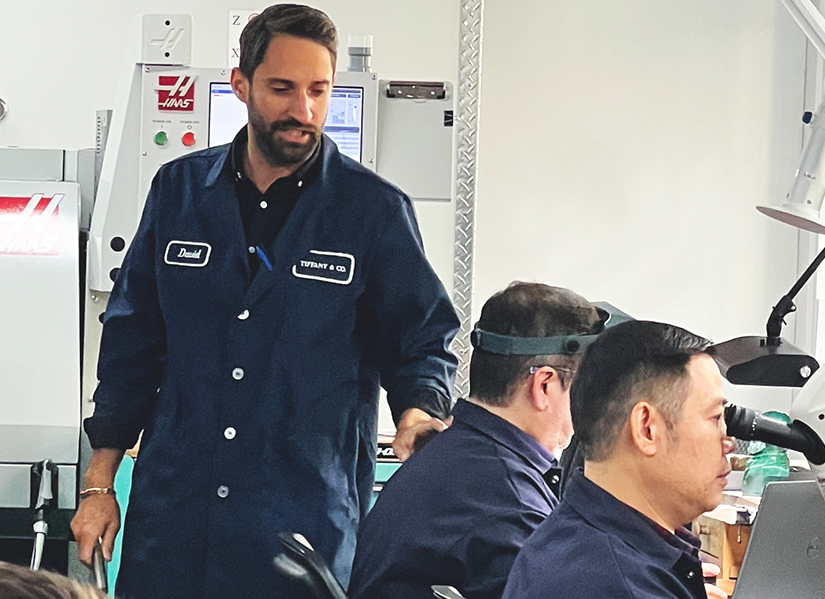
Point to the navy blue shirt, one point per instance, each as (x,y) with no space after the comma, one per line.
(456,513)
(595,546)
(257,395)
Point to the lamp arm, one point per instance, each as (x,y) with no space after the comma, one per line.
(785,305)
(777,318)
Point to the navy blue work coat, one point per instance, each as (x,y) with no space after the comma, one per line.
(593,545)
(258,397)
(456,513)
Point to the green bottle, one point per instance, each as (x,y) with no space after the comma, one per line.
(768,462)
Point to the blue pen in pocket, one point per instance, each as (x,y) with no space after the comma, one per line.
(264,259)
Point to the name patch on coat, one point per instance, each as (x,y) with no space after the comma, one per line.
(187,253)
(330,267)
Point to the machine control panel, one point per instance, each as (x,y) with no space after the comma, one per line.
(171,111)
(186,109)
(175,107)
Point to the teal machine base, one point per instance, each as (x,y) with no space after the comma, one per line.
(123,485)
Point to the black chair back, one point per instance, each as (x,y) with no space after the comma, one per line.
(301,564)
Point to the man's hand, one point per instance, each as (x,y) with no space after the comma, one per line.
(98,517)
(415,424)
(713,591)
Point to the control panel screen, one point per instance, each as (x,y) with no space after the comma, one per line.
(344,123)
(344,120)
(227,114)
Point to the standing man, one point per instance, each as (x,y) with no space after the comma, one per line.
(460,509)
(252,364)
(649,413)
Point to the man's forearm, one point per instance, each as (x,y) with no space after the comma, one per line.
(103,468)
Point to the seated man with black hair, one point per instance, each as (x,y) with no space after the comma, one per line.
(648,409)
(458,510)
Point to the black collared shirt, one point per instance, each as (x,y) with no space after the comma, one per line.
(593,545)
(456,513)
(265,214)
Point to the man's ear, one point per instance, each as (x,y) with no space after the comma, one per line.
(647,428)
(543,388)
(240,85)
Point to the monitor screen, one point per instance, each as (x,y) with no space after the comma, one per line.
(344,123)
(227,114)
(344,120)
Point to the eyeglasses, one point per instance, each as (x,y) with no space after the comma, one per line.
(535,369)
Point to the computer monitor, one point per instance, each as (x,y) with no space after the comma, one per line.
(785,556)
(345,120)
(227,114)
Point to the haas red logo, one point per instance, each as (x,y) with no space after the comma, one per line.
(30,225)
(176,92)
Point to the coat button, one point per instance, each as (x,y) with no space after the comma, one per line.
(223,491)
(264,205)
(690,574)
(243,315)
(251,249)
(229,433)
(237,374)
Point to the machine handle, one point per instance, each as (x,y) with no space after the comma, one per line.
(41,529)
(99,569)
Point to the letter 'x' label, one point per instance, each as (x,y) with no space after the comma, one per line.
(330,267)
(187,253)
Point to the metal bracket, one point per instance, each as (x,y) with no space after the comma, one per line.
(417,90)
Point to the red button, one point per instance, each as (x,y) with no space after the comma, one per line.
(188,139)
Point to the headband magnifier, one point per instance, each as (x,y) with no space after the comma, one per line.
(571,345)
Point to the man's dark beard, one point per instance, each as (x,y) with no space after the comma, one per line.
(283,153)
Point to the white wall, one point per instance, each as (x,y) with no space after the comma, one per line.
(60,59)
(624,145)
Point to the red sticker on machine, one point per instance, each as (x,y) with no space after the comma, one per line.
(30,226)
(176,92)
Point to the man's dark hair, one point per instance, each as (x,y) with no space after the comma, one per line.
(632,361)
(527,310)
(296,20)
(17,582)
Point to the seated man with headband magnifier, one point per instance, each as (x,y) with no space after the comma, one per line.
(459,510)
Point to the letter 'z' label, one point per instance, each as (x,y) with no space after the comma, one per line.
(187,253)
(330,267)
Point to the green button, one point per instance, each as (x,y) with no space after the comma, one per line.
(161,138)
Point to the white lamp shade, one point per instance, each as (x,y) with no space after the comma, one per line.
(797,216)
